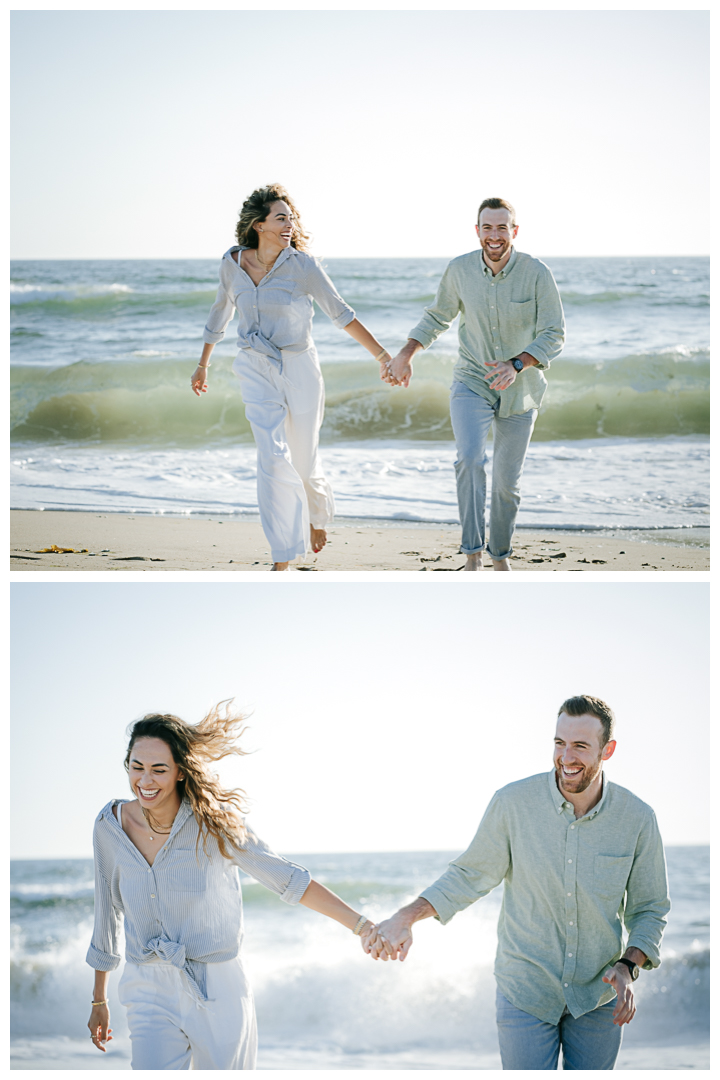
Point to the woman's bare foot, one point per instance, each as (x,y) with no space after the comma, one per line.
(318,539)
(501,564)
(279,566)
(474,562)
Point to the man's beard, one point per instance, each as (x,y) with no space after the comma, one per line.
(588,776)
(495,256)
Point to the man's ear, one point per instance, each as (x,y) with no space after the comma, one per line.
(609,749)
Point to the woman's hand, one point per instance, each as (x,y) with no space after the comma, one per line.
(372,942)
(99,1024)
(198,382)
(385,373)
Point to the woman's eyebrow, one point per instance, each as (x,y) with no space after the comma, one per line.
(158,765)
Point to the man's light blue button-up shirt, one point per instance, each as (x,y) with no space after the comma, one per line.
(501,315)
(570,886)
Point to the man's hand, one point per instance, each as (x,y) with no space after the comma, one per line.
(400,367)
(620,979)
(503,375)
(394,938)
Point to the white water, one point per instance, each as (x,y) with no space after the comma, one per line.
(584,483)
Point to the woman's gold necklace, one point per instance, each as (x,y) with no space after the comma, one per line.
(150,829)
(267,269)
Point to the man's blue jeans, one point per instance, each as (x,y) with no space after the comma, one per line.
(471,417)
(590,1042)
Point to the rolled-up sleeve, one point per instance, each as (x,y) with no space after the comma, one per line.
(220,314)
(286,879)
(440,315)
(478,870)
(320,287)
(103,953)
(647,901)
(550,320)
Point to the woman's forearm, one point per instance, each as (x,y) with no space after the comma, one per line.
(318,898)
(205,357)
(363,337)
(101,984)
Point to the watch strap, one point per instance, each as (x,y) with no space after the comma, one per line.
(634,969)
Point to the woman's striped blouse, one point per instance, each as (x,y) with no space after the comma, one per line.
(185,909)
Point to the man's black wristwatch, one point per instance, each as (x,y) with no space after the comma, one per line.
(517,364)
(634,969)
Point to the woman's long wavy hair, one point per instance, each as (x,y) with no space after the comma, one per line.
(193,748)
(255,210)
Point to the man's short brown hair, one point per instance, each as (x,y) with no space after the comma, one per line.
(498,204)
(582,704)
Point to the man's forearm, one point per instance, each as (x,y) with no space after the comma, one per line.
(417,910)
(527,359)
(636,955)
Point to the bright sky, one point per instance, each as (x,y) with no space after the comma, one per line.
(139,133)
(385,716)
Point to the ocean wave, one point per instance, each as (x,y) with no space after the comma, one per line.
(39,294)
(654,393)
(58,892)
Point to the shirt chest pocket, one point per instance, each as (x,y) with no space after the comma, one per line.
(611,876)
(186,871)
(276,296)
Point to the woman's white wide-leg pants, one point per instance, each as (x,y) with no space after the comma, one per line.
(169,1030)
(284,404)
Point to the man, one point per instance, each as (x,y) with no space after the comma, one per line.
(511,327)
(579,857)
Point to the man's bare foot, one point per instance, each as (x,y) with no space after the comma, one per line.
(279,566)
(318,539)
(474,561)
(501,564)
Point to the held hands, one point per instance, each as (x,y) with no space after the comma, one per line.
(400,369)
(620,979)
(99,1024)
(198,382)
(393,939)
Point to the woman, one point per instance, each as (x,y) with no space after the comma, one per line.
(167,861)
(271,280)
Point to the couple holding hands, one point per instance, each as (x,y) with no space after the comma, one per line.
(580,859)
(511,328)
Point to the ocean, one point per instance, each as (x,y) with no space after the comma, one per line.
(321,1002)
(103,418)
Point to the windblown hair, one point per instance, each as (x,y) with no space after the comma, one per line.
(582,704)
(193,748)
(256,208)
(498,204)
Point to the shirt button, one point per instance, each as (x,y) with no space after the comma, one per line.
(152,895)
(565,984)
(569,954)
(571,919)
(569,860)
(572,826)
(569,894)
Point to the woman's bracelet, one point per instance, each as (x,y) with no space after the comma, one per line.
(105,1002)
(359,925)
(204,366)
(380,355)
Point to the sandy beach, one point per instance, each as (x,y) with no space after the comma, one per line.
(135,542)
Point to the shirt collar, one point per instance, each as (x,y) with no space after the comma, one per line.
(506,268)
(244,247)
(561,803)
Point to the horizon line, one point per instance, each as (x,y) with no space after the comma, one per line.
(389,851)
(170,258)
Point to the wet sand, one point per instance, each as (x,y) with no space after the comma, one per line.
(104,542)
